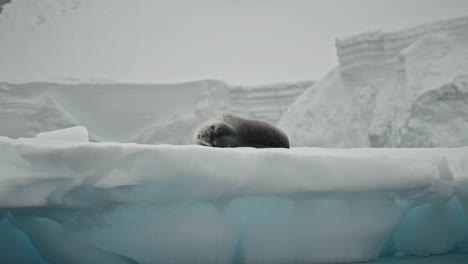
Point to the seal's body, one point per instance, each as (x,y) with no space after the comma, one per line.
(230,131)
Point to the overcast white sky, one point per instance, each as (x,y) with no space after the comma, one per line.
(240,41)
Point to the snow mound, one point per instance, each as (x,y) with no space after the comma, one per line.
(78,134)
(132,203)
(399,89)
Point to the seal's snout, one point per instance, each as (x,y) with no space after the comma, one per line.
(205,137)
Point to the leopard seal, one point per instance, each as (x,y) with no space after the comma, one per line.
(229,131)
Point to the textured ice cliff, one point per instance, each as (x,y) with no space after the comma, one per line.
(400,89)
(77,202)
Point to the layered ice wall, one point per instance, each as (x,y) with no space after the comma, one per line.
(400,89)
(267,102)
(142,113)
(78,202)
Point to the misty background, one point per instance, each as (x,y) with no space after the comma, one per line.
(239,41)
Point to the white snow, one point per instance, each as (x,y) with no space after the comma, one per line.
(400,89)
(185,204)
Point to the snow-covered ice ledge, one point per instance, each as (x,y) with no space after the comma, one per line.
(69,202)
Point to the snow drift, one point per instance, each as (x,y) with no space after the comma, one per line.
(66,200)
(400,89)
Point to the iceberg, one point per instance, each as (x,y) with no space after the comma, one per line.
(76,201)
(83,180)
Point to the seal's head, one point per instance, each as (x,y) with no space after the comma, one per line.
(215,134)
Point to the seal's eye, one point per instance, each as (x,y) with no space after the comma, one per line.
(213,127)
